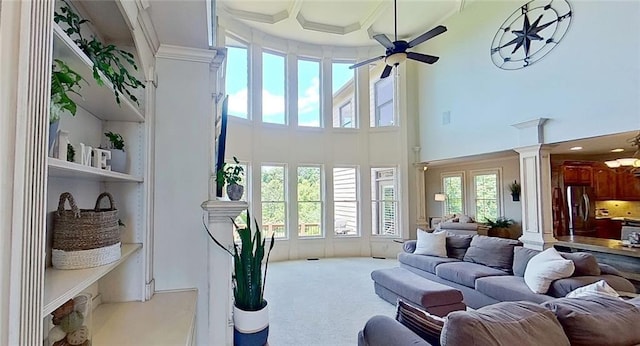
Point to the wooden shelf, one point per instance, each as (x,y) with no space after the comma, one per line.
(98,100)
(62,285)
(167,319)
(65,169)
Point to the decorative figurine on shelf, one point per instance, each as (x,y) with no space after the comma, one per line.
(118,159)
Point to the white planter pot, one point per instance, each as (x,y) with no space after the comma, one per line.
(250,321)
(118,160)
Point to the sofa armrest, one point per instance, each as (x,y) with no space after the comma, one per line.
(409,246)
(384,331)
(607,269)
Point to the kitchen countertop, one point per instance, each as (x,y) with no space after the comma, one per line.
(610,246)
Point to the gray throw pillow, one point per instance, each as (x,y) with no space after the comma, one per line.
(457,245)
(492,252)
(506,323)
(597,320)
(521,257)
(585,263)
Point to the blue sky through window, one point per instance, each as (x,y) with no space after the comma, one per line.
(308,93)
(341,75)
(273,101)
(236,81)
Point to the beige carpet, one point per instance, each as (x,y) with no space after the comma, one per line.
(323,302)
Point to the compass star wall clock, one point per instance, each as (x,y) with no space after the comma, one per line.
(531,32)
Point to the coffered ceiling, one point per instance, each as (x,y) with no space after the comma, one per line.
(335,22)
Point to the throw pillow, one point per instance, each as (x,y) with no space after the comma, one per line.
(457,245)
(492,252)
(585,263)
(597,320)
(597,288)
(521,257)
(427,326)
(545,267)
(432,244)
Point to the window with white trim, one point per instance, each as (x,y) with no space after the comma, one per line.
(346,115)
(273,86)
(310,201)
(343,91)
(383,105)
(486,194)
(309,93)
(453,189)
(273,198)
(384,198)
(237,79)
(345,201)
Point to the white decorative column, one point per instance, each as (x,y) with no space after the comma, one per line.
(220,214)
(535,178)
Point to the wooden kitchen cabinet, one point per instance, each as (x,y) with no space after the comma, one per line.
(627,185)
(608,228)
(604,183)
(577,175)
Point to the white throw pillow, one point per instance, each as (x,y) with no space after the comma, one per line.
(465,219)
(599,288)
(546,267)
(432,244)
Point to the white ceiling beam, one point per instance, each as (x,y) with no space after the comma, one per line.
(258,17)
(374,14)
(332,29)
(295,8)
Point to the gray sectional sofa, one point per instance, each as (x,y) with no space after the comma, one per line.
(488,270)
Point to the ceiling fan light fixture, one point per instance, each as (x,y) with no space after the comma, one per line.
(396,58)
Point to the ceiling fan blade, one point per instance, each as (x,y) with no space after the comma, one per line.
(386,72)
(427,35)
(366,62)
(429,59)
(384,40)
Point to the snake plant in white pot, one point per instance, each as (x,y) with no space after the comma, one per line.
(250,313)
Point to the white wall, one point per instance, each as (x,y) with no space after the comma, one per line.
(181,180)
(588,85)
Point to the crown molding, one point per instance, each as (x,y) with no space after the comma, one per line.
(207,56)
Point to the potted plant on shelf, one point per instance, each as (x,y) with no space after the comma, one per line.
(118,155)
(232,177)
(250,312)
(64,81)
(107,59)
(515,191)
(499,227)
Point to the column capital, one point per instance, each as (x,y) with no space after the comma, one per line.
(223,211)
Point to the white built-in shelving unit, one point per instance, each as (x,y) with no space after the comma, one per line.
(123,290)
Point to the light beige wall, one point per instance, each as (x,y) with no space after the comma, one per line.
(510,171)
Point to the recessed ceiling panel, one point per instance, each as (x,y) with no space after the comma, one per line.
(339,13)
(266,7)
(414,17)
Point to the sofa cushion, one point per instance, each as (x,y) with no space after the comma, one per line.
(503,324)
(509,288)
(607,269)
(546,267)
(521,256)
(431,244)
(597,320)
(383,331)
(471,226)
(457,245)
(465,273)
(426,263)
(426,325)
(492,252)
(562,287)
(585,263)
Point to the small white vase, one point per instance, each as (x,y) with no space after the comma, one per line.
(118,160)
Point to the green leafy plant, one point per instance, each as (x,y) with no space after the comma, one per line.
(514,188)
(229,174)
(116,140)
(107,59)
(500,222)
(71,153)
(248,278)
(64,80)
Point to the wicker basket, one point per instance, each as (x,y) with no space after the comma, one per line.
(84,238)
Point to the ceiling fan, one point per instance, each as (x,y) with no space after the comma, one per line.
(397,50)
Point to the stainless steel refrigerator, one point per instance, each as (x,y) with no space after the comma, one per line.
(581,210)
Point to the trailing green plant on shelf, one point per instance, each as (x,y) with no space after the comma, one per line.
(500,222)
(64,81)
(115,140)
(107,59)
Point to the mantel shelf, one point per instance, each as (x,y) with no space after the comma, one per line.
(96,99)
(64,169)
(62,285)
